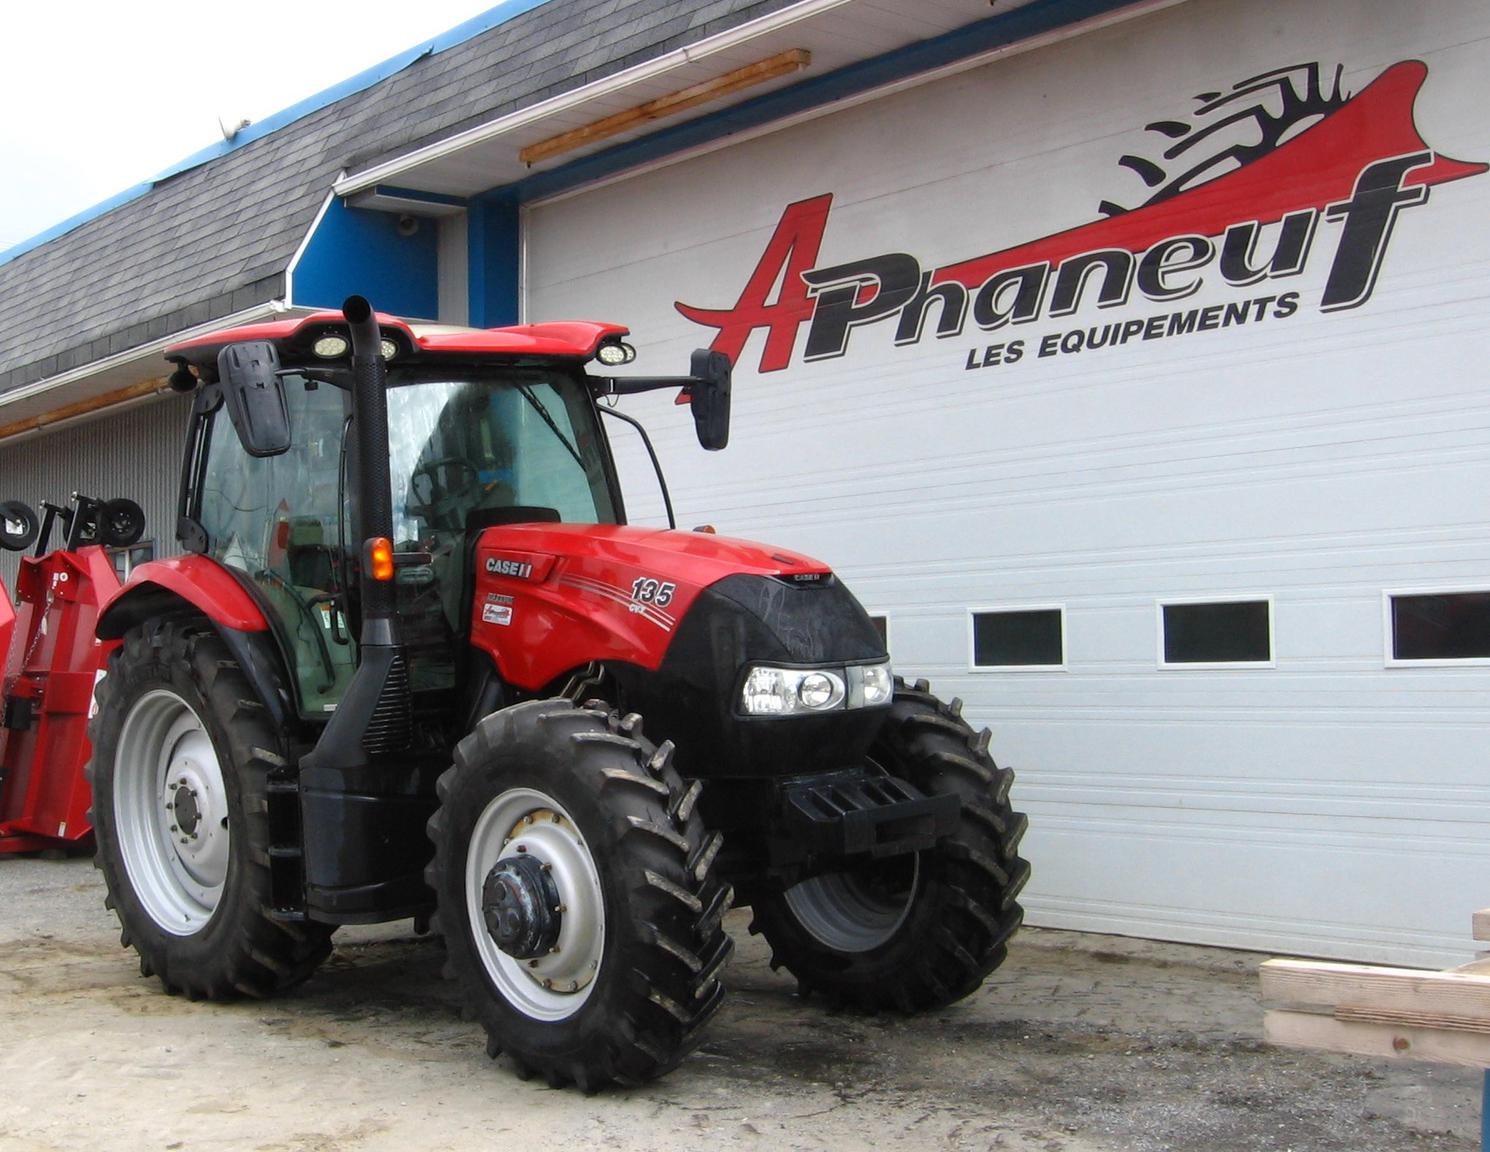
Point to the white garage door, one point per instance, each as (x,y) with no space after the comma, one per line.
(1141,383)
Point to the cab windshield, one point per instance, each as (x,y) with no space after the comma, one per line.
(512,439)
(466,449)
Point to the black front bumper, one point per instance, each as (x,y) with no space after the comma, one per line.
(856,813)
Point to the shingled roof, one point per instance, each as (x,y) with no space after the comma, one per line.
(216,238)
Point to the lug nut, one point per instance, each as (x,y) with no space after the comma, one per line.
(522,847)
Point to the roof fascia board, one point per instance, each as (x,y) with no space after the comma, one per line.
(509,10)
(143,351)
(1021,30)
(385,172)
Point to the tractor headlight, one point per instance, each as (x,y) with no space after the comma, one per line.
(875,683)
(803,691)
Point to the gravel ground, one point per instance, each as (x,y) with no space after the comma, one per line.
(1079,1043)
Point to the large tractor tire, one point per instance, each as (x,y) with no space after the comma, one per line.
(576,895)
(922,930)
(182,754)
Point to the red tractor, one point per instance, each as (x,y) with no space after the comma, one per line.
(401,672)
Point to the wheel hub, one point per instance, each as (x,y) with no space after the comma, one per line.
(520,903)
(184,803)
(543,962)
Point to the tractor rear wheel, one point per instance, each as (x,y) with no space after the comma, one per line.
(922,930)
(182,753)
(576,895)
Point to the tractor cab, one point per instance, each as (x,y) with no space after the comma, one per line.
(485,427)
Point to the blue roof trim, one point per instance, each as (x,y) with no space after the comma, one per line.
(508,10)
(981,36)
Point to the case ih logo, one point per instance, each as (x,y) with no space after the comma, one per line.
(1358,162)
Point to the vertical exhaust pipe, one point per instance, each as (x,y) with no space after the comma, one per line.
(374,715)
(374,485)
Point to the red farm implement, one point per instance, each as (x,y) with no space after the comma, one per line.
(52,661)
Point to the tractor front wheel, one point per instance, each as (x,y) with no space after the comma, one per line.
(922,930)
(182,753)
(576,895)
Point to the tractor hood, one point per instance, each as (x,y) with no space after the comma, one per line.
(697,558)
(677,618)
(551,597)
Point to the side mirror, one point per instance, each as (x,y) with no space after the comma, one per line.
(255,395)
(709,397)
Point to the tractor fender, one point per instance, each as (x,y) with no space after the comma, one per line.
(158,588)
(196,586)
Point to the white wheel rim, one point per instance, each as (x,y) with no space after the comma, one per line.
(524,821)
(842,912)
(171,812)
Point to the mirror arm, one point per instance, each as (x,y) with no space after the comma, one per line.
(631,385)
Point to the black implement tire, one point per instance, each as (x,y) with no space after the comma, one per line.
(920,931)
(18,525)
(121,523)
(178,723)
(583,792)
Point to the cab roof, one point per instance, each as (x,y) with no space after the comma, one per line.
(295,338)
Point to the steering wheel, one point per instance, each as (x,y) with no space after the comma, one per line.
(449,480)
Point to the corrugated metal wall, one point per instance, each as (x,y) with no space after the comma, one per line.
(136,453)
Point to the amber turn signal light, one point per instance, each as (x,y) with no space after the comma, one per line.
(377,558)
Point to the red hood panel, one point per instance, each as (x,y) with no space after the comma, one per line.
(699,557)
(552,597)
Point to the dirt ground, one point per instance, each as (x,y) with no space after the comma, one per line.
(1079,1043)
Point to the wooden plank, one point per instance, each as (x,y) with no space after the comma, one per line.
(1457,1001)
(1384,1041)
(782,64)
(1482,924)
(82,408)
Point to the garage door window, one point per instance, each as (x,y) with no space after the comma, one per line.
(1030,638)
(1438,627)
(1216,633)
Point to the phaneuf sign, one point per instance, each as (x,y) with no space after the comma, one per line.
(1356,162)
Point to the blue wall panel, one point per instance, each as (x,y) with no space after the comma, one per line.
(355,250)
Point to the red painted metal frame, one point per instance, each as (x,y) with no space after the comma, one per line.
(53,663)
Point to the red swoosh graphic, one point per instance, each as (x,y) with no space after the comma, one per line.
(1316,168)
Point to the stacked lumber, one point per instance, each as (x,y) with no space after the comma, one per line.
(1393,1013)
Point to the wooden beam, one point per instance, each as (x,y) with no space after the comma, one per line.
(782,64)
(1404,997)
(82,408)
(1306,1030)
